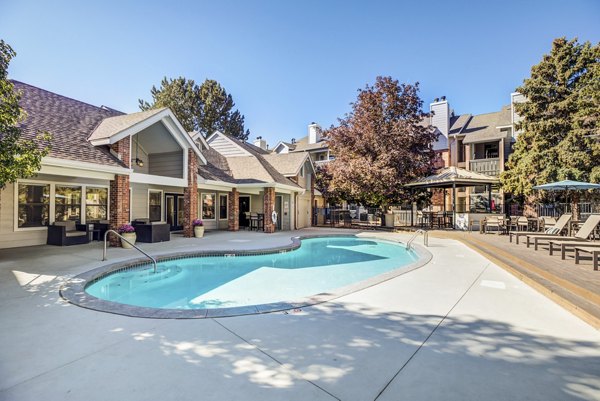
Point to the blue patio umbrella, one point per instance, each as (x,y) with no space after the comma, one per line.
(567,185)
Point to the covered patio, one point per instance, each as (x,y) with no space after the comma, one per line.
(453,178)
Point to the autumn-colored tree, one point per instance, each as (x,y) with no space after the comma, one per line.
(20,157)
(205,108)
(379,146)
(559,120)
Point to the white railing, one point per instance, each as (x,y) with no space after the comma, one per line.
(489,167)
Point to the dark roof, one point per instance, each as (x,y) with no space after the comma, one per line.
(69,121)
(485,127)
(216,167)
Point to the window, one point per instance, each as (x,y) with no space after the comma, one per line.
(208,206)
(34,203)
(154,205)
(67,203)
(96,204)
(223,207)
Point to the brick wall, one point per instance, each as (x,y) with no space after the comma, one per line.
(269,206)
(233,212)
(119,191)
(190,195)
(312,200)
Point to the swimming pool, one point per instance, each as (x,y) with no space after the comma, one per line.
(321,268)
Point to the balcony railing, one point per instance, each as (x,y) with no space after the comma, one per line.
(489,167)
(321,162)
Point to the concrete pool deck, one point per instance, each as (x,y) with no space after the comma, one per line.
(459,328)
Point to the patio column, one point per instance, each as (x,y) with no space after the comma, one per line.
(269,206)
(233,210)
(489,198)
(119,191)
(453,204)
(190,195)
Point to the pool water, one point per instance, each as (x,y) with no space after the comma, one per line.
(320,265)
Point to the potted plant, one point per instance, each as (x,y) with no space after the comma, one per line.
(128,232)
(198,225)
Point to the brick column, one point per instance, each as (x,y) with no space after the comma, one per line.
(233,210)
(119,191)
(269,206)
(190,195)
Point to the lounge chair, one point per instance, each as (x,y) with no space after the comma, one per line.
(67,233)
(581,236)
(560,225)
(586,249)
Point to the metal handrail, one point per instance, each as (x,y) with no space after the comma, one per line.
(425,238)
(126,240)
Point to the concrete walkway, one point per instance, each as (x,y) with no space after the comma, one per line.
(459,328)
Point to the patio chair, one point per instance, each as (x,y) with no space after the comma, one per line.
(582,234)
(63,233)
(155,231)
(561,224)
(512,225)
(495,221)
(522,223)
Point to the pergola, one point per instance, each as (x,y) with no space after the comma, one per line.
(454,177)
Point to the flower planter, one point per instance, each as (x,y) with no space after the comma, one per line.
(131,237)
(198,231)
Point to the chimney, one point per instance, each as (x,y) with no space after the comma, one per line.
(261,143)
(515,97)
(441,115)
(314,133)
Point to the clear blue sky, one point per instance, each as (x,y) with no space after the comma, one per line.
(288,63)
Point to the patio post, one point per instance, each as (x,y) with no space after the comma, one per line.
(453,204)
(119,191)
(489,198)
(190,195)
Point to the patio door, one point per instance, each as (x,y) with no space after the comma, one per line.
(244,208)
(174,211)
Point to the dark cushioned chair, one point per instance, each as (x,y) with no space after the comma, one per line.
(155,231)
(67,233)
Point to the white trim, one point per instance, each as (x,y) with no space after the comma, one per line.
(214,185)
(226,206)
(149,121)
(140,178)
(218,133)
(52,201)
(201,209)
(79,165)
(162,195)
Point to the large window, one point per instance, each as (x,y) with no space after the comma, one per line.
(34,202)
(67,201)
(155,205)
(96,204)
(208,206)
(223,207)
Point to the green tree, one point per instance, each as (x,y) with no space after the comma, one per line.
(19,157)
(205,108)
(559,119)
(379,146)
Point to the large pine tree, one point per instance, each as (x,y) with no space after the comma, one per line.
(205,108)
(559,120)
(379,146)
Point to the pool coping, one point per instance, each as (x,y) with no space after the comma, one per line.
(73,290)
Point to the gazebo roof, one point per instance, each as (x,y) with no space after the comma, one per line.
(453,176)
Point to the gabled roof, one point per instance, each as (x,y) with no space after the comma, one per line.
(112,126)
(252,168)
(69,121)
(486,127)
(302,145)
(288,164)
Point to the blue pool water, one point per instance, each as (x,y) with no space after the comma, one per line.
(320,265)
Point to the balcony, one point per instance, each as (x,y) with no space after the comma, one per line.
(319,163)
(489,166)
